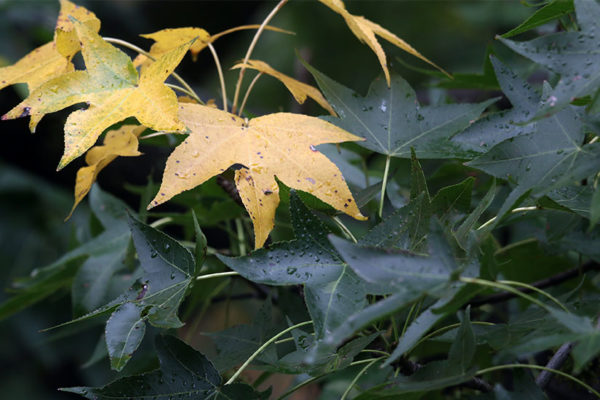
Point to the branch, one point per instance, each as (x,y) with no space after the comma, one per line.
(557,360)
(543,283)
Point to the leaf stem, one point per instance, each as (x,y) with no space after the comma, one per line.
(384,184)
(514,211)
(446,329)
(155,134)
(145,53)
(533,366)
(247,94)
(240,236)
(217,275)
(161,222)
(357,377)
(344,229)
(220,72)
(534,289)
(180,89)
(483,282)
(263,347)
(249,52)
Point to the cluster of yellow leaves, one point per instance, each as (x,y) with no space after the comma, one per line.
(278,145)
(367,32)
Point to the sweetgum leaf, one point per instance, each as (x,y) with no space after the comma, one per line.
(183,371)
(124,332)
(572,55)
(551,11)
(281,144)
(392,121)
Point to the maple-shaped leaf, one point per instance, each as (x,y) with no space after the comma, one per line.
(65,37)
(299,90)
(112,88)
(392,121)
(367,32)
(54,58)
(167,39)
(281,144)
(575,56)
(118,142)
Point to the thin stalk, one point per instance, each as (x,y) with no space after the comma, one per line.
(384,353)
(216,275)
(407,320)
(220,72)
(161,222)
(145,53)
(483,282)
(155,134)
(249,52)
(246,27)
(446,329)
(240,236)
(357,377)
(533,366)
(514,211)
(316,378)
(247,94)
(180,89)
(262,348)
(344,229)
(384,184)
(540,291)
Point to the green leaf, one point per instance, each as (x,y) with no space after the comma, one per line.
(463,230)
(376,117)
(551,11)
(183,372)
(574,198)
(524,388)
(201,244)
(572,55)
(485,81)
(499,126)
(452,201)
(168,270)
(124,332)
(463,348)
(551,157)
(595,208)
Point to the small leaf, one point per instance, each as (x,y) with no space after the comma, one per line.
(366,30)
(463,347)
(281,145)
(124,332)
(299,90)
(119,142)
(463,230)
(201,244)
(551,11)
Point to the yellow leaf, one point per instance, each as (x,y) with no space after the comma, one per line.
(113,90)
(366,32)
(65,37)
(298,89)
(168,39)
(281,145)
(119,142)
(37,67)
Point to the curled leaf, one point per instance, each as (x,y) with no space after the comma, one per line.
(367,32)
(65,36)
(119,142)
(299,90)
(280,144)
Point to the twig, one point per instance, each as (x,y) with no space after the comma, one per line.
(543,283)
(557,360)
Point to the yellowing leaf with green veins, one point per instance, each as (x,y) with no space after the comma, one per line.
(367,32)
(113,90)
(167,39)
(37,67)
(65,37)
(281,145)
(298,89)
(119,142)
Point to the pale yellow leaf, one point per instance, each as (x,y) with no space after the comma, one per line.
(299,90)
(113,90)
(366,31)
(65,37)
(281,145)
(37,67)
(120,142)
(167,39)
